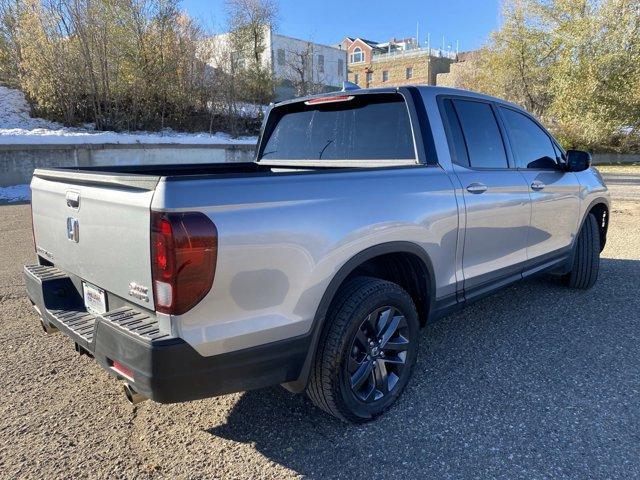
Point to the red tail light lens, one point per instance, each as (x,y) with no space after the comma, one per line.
(184,251)
(122,370)
(331,99)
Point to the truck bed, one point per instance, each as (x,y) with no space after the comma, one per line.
(146,177)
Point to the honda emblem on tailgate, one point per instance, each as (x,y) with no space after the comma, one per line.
(73,230)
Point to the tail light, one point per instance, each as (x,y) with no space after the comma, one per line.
(121,369)
(184,251)
(331,99)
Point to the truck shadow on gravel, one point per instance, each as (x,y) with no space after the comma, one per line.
(535,381)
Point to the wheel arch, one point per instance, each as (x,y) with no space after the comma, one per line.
(599,207)
(360,264)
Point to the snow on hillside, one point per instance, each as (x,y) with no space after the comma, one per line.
(18,127)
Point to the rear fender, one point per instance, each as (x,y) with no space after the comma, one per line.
(300,384)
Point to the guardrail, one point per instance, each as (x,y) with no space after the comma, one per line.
(615,158)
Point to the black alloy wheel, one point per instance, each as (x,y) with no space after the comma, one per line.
(378,354)
(367,350)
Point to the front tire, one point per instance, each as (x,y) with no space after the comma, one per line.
(586,258)
(367,350)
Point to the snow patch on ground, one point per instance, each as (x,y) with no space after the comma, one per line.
(253,110)
(17,127)
(15,193)
(14,112)
(17,136)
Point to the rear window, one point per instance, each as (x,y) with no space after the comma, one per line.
(368,127)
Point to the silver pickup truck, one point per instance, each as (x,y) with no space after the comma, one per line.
(366,214)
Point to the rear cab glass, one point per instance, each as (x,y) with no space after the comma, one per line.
(354,128)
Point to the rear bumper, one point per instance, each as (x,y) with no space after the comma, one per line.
(165,368)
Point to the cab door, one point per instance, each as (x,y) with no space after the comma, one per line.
(497,207)
(555,193)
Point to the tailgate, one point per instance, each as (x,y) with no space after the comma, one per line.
(95,230)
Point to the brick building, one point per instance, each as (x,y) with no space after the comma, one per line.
(393,63)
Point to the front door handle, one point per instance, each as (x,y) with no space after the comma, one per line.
(477,188)
(537,185)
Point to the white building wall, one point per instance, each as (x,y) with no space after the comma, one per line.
(335,60)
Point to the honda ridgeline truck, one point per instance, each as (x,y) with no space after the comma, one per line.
(366,214)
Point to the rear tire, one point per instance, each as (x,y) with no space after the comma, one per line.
(366,352)
(586,259)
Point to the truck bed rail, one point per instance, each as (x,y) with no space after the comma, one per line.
(78,176)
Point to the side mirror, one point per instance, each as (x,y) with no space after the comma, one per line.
(578,160)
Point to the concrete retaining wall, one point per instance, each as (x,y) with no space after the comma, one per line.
(615,158)
(17,162)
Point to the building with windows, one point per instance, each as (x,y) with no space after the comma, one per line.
(300,67)
(394,63)
(326,66)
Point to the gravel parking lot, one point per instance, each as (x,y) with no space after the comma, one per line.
(536,381)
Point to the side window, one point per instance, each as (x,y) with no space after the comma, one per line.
(481,134)
(531,146)
(357,56)
(457,139)
(559,155)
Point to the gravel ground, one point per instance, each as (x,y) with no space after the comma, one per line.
(536,381)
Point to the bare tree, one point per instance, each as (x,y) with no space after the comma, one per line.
(133,64)
(250,22)
(224,95)
(10,52)
(305,75)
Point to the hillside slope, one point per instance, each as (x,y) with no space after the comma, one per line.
(18,127)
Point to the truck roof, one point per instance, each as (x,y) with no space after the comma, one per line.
(432,90)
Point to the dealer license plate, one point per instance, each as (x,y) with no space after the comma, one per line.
(95,301)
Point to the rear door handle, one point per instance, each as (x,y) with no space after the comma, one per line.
(477,188)
(537,185)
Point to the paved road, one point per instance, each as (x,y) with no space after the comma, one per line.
(534,382)
(624,186)
(622,178)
